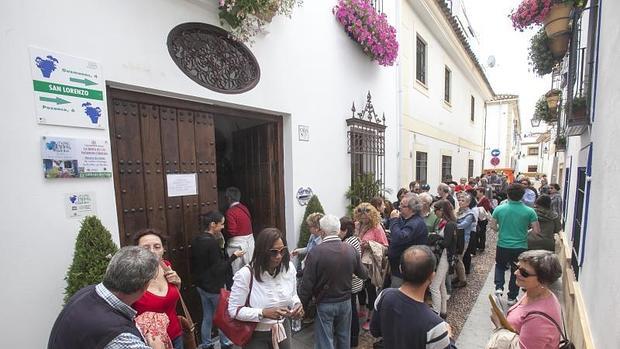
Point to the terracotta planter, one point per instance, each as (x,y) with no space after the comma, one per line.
(557,20)
(579,114)
(558,45)
(552,101)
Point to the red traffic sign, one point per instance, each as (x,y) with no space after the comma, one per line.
(494,161)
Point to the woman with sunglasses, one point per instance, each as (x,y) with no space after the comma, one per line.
(374,246)
(447,247)
(273,297)
(536,270)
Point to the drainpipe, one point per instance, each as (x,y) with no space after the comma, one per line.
(399,101)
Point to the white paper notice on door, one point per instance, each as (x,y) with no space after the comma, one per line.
(181,184)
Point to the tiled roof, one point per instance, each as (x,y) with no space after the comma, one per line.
(501,97)
(463,39)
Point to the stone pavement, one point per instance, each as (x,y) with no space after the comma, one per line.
(478,327)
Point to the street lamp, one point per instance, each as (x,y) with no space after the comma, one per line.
(535,122)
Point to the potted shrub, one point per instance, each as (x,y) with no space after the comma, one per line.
(369,29)
(540,56)
(246,18)
(557,19)
(93,249)
(553,97)
(579,108)
(364,188)
(542,111)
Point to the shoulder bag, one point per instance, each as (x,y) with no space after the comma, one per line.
(239,332)
(188,326)
(564,342)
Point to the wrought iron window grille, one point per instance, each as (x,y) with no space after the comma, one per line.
(366,142)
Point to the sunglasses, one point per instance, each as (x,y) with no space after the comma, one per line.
(523,271)
(274,252)
(363,210)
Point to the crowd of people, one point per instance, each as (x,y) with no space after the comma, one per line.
(387,268)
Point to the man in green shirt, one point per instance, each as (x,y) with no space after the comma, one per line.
(514,218)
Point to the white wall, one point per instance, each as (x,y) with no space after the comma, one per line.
(497,137)
(310,71)
(599,277)
(423,108)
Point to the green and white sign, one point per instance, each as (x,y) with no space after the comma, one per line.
(68,90)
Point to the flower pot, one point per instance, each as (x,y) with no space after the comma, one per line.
(579,114)
(557,20)
(558,45)
(552,101)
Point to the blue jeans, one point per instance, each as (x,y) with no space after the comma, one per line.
(332,326)
(177,343)
(507,258)
(209,304)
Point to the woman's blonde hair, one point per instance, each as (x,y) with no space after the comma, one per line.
(313,219)
(365,208)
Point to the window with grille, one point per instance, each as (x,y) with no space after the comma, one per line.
(421,167)
(472,108)
(420,58)
(532,168)
(446,166)
(532,151)
(366,144)
(578,219)
(470,168)
(447,82)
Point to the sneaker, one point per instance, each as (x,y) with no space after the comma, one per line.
(460,284)
(366,326)
(499,292)
(512,301)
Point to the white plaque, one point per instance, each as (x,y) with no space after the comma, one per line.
(304,133)
(181,184)
(78,205)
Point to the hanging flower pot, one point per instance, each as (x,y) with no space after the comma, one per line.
(558,19)
(558,45)
(553,97)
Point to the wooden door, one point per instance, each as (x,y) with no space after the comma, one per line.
(152,138)
(256,164)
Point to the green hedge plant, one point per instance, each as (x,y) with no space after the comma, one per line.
(314,205)
(540,56)
(93,249)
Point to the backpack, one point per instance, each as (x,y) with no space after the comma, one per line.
(435,243)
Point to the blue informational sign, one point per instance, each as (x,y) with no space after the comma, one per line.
(495,152)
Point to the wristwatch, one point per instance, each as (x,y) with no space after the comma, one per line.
(260,315)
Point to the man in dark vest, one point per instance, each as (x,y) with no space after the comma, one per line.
(100,316)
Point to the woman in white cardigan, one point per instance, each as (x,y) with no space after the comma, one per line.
(273,297)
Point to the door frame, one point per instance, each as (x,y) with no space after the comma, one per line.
(189,103)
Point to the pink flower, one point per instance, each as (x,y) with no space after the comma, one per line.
(369,29)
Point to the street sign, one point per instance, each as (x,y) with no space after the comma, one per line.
(68,91)
(495,152)
(494,161)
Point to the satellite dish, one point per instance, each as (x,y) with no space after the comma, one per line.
(491,61)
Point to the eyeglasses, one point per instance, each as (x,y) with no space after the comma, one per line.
(524,272)
(274,252)
(363,210)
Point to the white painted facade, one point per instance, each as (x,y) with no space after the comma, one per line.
(598,278)
(503,132)
(310,72)
(429,124)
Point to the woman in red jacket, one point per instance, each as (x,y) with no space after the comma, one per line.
(162,294)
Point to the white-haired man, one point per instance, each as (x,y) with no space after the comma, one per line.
(327,277)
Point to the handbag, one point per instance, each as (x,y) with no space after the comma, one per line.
(188,326)
(239,332)
(565,343)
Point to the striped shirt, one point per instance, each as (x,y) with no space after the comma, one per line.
(356,284)
(123,340)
